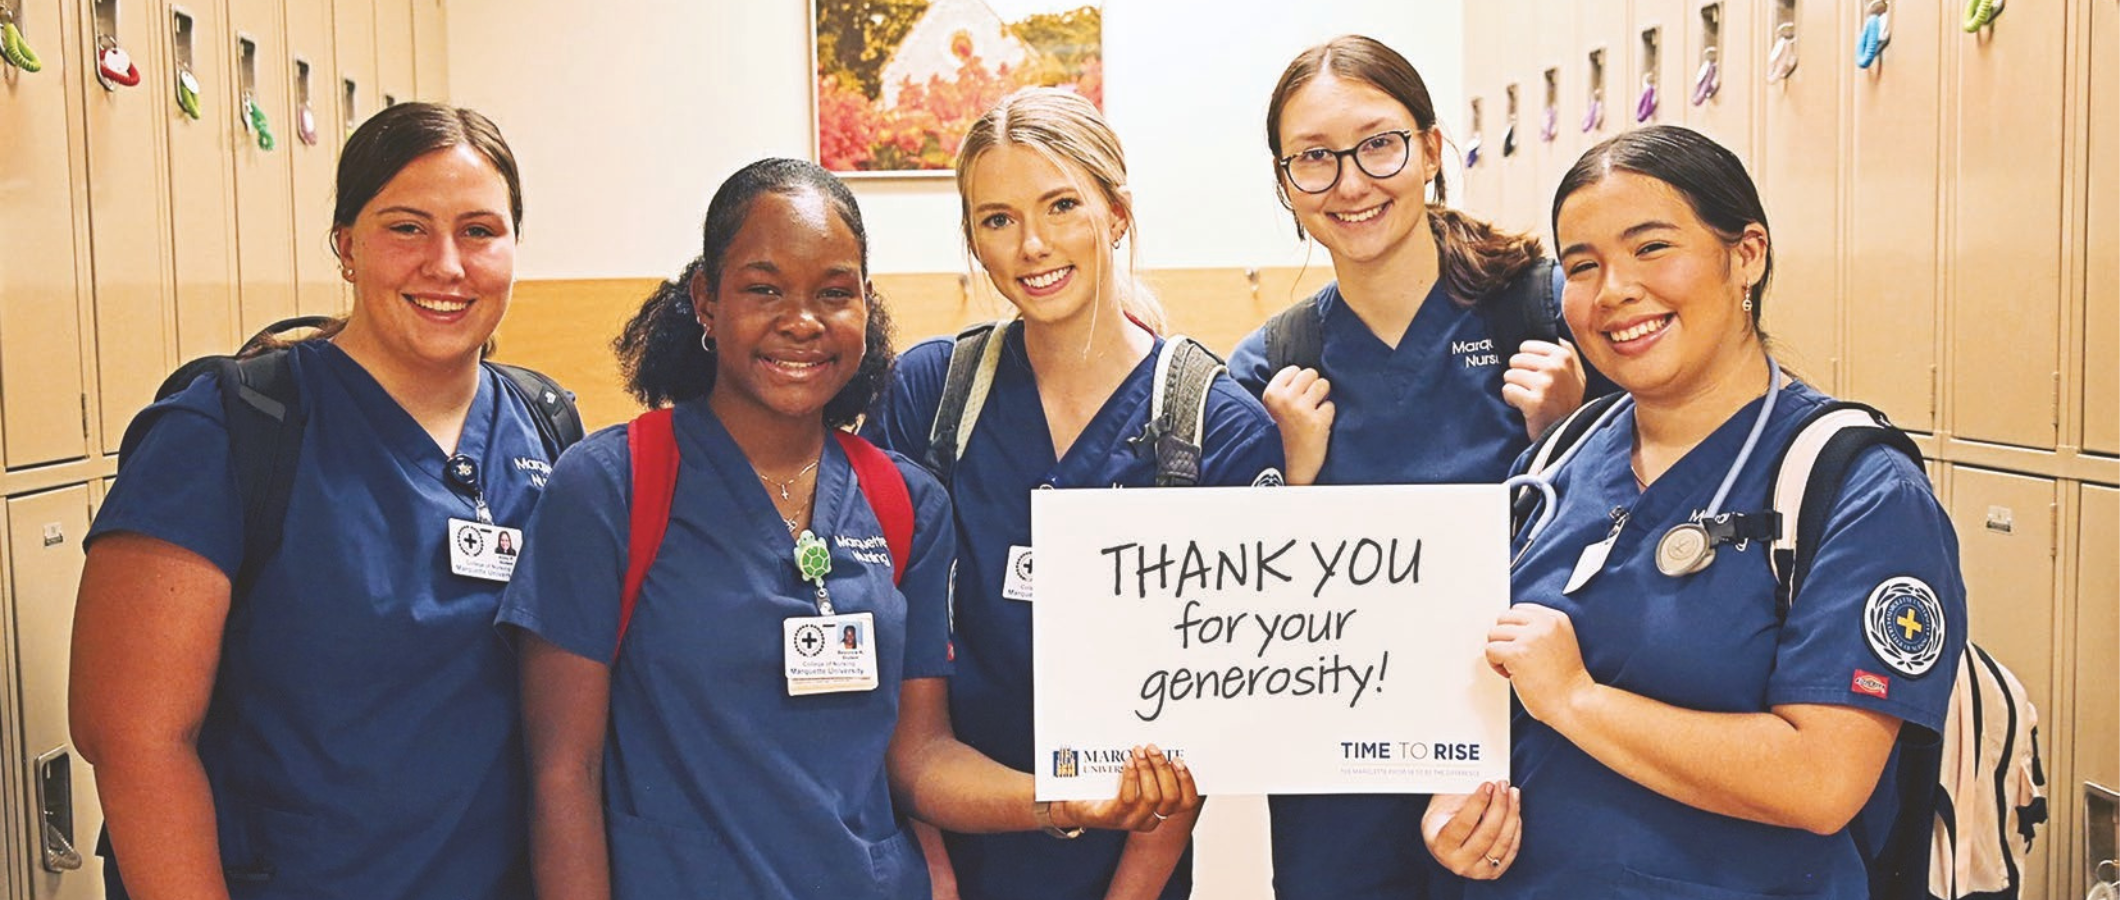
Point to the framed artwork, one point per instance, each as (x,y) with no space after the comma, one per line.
(898,82)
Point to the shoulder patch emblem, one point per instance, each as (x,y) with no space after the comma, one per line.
(1269,477)
(1903,622)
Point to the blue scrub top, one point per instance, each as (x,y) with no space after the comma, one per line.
(1429,411)
(1713,641)
(1010,454)
(363,739)
(716,782)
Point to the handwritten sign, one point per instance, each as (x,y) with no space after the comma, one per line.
(1281,640)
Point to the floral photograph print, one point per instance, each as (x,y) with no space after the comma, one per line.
(899,81)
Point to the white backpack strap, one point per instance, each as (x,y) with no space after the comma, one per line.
(1793,479)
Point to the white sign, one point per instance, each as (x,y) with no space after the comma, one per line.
(1281,640)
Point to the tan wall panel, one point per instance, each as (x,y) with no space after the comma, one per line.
(2101,373)
(41,350)
(201,183)
(1726,114)
(2096,728)
(1894,287)
(2006,542)
(264,178)
(353,35)
(44,547)
(430,46)
(319,289)
(129,225)
(565,328)
(1799,182)
(395,70)
(2007,227)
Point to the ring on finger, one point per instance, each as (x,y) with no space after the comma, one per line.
(1494,861)
(1159,816)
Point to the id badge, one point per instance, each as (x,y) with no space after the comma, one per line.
(829,654)
(1016,582)
(483,551)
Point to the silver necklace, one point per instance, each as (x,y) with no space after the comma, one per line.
(783,486)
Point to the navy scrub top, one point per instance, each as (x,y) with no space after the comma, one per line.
(364,738)
(716,782)
(1009,454)
(1713,641)
(1429,411)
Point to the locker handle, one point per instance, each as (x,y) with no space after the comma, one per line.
(1981,13)
(1781,60)
(1876,34)
(14,48)
(55,801)
(1708,79)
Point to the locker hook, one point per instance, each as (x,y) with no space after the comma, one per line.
(1781,60)
(1708,80)
(1472,151)
(1981,13)
(114,67)
(1551,127)
(1509,138)
(305,125)
(1594,117)
(13,47)
(1646,106)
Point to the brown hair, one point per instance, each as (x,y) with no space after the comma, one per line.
(1478,259)
(1069,131)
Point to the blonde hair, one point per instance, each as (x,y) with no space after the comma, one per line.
(1068,131)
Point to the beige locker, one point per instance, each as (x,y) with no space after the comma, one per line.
(1798,174)
(316,91)
(395,68)
(430,50)
(1722,31)
(1554,91)
(44,549)
(1604,105)
(2101,374)
(201,182)
(1656,63)
(128,211)
(353,38)
(1471,134)
(1510,129)
(264,177)
(2006,538)
(43,402)
(1894,286)
(2096,728)
(2006,226)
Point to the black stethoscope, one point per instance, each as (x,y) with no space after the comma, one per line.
(1687,547)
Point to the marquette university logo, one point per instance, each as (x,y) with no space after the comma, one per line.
(1064,765)
(1903,621)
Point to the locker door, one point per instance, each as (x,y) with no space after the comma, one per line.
(1553,91)
(2101,376)
(395,69)
(353,36)
(2007,226)
(1893,283)
(128,204)
(44,546)
(2096,728)
(1656,60)
(430,46)
(1469,130)
(43,414)
(1605,105)
(264,177)
(1798,177)
(201,184)
(1721,30)
(316,91)
(2006,543)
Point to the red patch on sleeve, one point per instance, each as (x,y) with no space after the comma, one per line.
(1872,684)
(951,646)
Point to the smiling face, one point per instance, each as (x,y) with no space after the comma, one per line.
(1654,296)
(432,259)
(789,313)
(1361,219)
(1043,234)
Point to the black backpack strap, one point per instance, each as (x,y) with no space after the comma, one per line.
(1807,479)
(1177,409)
(559,423)
(973,360)
(1295,337)
(1523,310)
(1551,446)
(263,405)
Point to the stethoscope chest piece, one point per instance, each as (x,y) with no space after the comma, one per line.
(1684,550)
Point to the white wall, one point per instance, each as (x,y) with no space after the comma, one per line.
(625,115)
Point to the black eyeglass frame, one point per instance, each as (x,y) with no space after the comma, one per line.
(1339,161)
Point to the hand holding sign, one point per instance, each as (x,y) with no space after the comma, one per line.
(1154,787)
(1535,648)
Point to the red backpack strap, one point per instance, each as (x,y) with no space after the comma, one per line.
(884,487)
(651,440)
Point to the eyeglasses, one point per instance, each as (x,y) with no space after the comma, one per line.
(1381,155)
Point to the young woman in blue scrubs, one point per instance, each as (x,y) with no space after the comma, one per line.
(675,758)
(347,727)
(1409,389)
(1045,203)
(1680,735)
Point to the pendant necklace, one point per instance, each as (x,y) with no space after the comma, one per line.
(783,486)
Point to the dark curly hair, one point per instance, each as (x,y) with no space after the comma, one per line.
(660,353)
